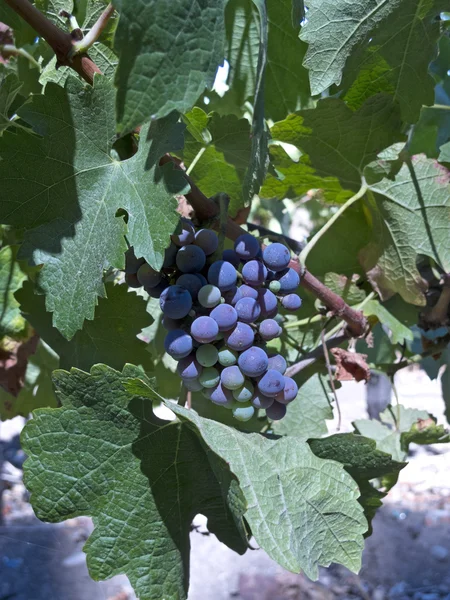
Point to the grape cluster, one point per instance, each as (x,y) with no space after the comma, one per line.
(220,312)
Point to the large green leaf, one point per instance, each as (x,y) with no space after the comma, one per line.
(286,87)
(168,54)
(109,338)
(9,88)
(410,217)
(399,332)
(374,45)
(11,279)
(219,160)
(37,390)
(69,207)
(302,510)
(141,479)
(307,415)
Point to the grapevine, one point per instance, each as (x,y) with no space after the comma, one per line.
(212,215)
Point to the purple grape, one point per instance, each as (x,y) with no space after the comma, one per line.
(190,259)
(278,363)
(248,310)
(221,396)
(269,329)
(254,273)
(289,392)
(246,246)
(175,302)
(186,236)
(132,281)
(171,324)
(132,263)
(188,367)
(253,362)
(148,277)
(261,401)
(192,282)
(276,411)
(276,257)
(289,281)
(158,290)
(225,316)
(244,291)
(232,378)
(223,275)
(231,257)
(204,330)
(271,383)
(268,303)
(240,338)
(170,254)
(291,302)
(193,385)
(232,296)
(178,344)
(207,240)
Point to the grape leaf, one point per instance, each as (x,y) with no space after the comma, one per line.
(109,338)
(393,432)
(69,208)
(383,46)
(410,217)
(338,141)
(168,55)
(9,88)
(11,280)
(344,287)
(399,332)
(286,86)
(307,415)
(302,510)
(219,162)
(381,350)
(23,33)
(37,390)
(141,479)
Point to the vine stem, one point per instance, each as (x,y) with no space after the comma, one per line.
(94,33)
(60,41)
(7,50)
(310,245)
(207,210)
(331,379)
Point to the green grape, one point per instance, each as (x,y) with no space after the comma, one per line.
(209,377)
(207,355)
(243,413)
(227,357)
(245,392)
(275,286)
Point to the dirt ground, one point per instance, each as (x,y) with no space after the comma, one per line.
(406,558)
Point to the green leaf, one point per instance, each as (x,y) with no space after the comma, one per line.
(381,350)
(445,384)
(358,454)
(11,280)
(141,479)
(307,415)
(23,33)
(431,132)
(104,58)
(399,332)
(345,288)
(298,12)
(302,510)
(220,161)
(69,207)
(168,55)
(109,338)
(410,215)
(338,249)
(338,141)
(383,46)
(397,428)
(37,390)
(9,88)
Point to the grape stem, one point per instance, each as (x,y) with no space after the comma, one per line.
(83,45)
(207,210)
(315,355)
(331,379)
(60,41)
